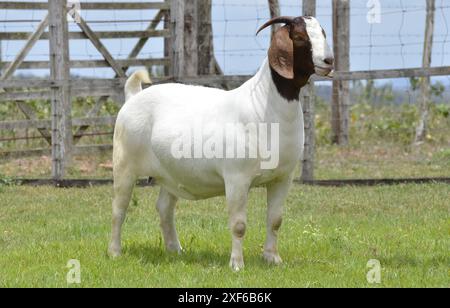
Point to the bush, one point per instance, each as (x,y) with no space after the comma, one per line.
(385,123)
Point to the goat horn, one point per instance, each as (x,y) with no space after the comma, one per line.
(277,20)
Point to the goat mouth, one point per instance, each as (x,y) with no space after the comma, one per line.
(324,71)
(324,68)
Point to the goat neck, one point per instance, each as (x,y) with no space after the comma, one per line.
(267,101)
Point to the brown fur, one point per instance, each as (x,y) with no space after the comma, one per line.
(290,58)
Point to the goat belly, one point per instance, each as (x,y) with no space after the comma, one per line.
(187,177)
(190,179)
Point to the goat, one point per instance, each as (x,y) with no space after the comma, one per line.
(152,120)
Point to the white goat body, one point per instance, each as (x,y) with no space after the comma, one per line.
(151,122)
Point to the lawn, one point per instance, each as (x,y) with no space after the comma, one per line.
(328,236)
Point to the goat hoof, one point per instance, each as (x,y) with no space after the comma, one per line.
(114,251)
(237,264)
(175,250)
(273,258)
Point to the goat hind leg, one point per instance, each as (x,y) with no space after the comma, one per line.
(123,188)
(166,207)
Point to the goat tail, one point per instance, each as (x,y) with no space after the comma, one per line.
(134,84)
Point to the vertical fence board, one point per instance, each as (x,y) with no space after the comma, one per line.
(206,61)
(168,70)
(309,9)
(424,100)
(335,115)
(341,89)
(190,38)
(177,27)
(1,58)
(61,103)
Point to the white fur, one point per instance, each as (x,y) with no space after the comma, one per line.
(134,84)
(151,121)
(320,48)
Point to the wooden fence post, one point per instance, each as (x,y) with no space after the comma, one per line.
(168,70)
(184,38)
(60,92)
(309,9)
(177,36)
(206,60)
(424,100)
(190,38)
(1,58)
(341,90)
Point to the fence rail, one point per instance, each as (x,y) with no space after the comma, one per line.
(20,36)
(16,5)
(88,183)
(209,80)
(92,63)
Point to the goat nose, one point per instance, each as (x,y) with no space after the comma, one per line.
(329,61)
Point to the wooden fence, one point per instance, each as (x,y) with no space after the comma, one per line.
(60,88)
(188,58)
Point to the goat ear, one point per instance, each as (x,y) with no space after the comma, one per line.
(281,53)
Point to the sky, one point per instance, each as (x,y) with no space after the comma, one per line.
(397,42)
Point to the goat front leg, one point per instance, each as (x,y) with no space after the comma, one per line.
(276,196)
(237,196)
(166,208)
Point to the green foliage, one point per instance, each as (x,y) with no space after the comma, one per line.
(385,123)
(415,83)
(323,116)
(81,106)
(443,110)
(437,89)
(134,199)
(5,110)
(110,108)
(6,181)
(382,122)
(369,93)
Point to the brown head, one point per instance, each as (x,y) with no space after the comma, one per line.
(297,51)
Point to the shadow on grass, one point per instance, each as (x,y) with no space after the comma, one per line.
(147,254)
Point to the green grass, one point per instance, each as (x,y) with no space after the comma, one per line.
(328,236)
